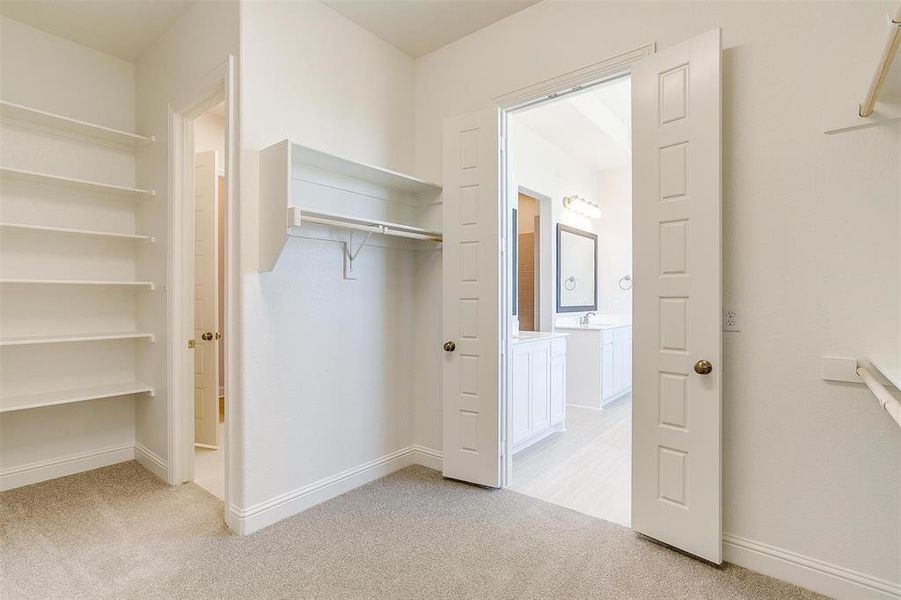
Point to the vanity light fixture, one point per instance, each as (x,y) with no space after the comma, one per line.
(581,206)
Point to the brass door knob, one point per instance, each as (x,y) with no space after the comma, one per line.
(207,336)
(449,346)
(703,367)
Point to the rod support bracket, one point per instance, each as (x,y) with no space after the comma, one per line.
(350,253)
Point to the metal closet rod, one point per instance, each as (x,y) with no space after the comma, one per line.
(885,63)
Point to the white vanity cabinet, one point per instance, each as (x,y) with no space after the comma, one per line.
(538,390)
(600,365)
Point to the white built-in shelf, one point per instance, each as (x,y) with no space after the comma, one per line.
(34,116)
(292,175)
(77,232)
(30,340)
(83,185)
(87,282)
(96,392)
(310,157)
(297,216)
(889,366)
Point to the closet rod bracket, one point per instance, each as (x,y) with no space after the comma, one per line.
(350,254)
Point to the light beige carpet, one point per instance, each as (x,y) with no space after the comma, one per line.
(118,532)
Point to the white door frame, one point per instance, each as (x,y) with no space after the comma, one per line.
(616,66)
(217,86)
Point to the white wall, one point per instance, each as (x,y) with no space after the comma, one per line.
(327,362)
(209,134)
(614,240)
(170,73)
(543,168)
(810,228)
(53,441)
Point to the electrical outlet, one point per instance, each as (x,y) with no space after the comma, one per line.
(732,320)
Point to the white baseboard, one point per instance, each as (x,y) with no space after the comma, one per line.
(427,457)
(61,466)
(152,461)
(534,439)
(263,514)
(813,574)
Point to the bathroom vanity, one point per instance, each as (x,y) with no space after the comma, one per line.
(599,370)
(538,390)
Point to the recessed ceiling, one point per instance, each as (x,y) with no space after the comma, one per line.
(594,126)
(122,28)
(422,26)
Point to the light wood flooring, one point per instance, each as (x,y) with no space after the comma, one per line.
(587,467)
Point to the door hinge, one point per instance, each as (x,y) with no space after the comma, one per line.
(192,344)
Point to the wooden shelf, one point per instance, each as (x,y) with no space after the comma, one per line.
(310,157)
(83,185)
(34,116)
(30,340)
(77,232)
(26,401)
(88,282)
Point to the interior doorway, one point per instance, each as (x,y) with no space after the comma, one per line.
(209,300)
(570,400)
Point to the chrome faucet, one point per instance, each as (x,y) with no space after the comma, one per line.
(585,320)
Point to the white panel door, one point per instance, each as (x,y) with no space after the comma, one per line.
(471,263)
(206,300)
(676,441)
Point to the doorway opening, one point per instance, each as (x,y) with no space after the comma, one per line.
(209,300)
(569,165)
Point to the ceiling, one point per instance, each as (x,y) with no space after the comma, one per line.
(419,27)
(593,126)
(121,28)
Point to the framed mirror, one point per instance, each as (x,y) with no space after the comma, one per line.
(577,270)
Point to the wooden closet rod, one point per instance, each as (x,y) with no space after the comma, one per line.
(885,63)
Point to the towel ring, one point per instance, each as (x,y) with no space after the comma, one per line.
(625,283)
(570,283)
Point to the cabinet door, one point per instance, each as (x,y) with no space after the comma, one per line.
(558,389)
(627,358)
(541,392)
(606,371)
(619,360)
(520,391)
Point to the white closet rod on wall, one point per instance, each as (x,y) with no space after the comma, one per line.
(885,63)
(297,216)
(886,400)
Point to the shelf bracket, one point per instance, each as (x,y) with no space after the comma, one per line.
(350,254)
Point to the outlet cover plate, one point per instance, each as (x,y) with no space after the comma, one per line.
(732,317)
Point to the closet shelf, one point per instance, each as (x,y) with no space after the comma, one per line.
(77,232)
(297,216)
(889,366)
(305,156)
(84,185)
(88,282)
(34,116)
(29,340)
(96,392)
